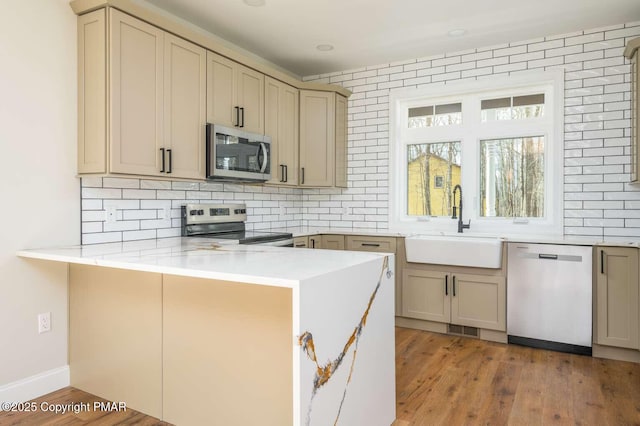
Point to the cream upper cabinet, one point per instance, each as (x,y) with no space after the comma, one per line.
(92,92)
(185,77)
(617,310)
(155,99)
(321,142)
(632,52)
(282,125)
(449,297)
(136,83)
(235,94)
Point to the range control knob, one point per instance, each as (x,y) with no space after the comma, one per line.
(193,212)
(200,212)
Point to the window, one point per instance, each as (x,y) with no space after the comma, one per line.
(433,169)
(500,140)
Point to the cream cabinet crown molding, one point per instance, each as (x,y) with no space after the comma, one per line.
(631,47)
(151,16)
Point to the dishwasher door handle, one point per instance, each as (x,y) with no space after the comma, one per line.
(548,256)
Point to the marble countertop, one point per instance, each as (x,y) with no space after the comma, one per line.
(517,238)
(209,258)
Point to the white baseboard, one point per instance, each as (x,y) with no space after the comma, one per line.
(35,386)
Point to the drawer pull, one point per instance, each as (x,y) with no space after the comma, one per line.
(370,245)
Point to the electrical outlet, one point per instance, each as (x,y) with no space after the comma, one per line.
(110,214)
(44,322)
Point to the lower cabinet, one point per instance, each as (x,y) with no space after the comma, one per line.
(617,310)
(449,297)
(381,245)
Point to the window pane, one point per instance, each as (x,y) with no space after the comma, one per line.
(516,108)
(512,177)
(444,115)
(432,171)
(448,114)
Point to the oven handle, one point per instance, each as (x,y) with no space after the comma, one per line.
(265,162)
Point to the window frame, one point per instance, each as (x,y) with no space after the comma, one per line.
(470,133)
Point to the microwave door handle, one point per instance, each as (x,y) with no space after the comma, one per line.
(265,157)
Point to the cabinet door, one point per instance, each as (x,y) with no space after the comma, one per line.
(221,90)
(281,124)
(341,141)
(250,98)
(317,138)
(617,297)
(635,109)
(333,242)
(478,301)
(315,242)
(136,76)
(185,107)
(425,295)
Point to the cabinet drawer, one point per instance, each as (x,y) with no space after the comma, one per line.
(366,243)
(301,242)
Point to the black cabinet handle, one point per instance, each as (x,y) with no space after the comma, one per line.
(170,160)
(162,155)
(602,261)
(300,245)
(237,116)
(370,245)
(302,177)
(242,115)
(313,243)
(286,173)
(282,173)
(446,285)
(454,286)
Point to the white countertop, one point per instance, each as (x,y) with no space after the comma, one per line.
(208,258)
(516,238)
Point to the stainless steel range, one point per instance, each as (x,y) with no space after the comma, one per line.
(227,221)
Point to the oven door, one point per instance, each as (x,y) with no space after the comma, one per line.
(233,154)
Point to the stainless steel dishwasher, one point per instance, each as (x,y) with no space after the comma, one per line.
(549,290)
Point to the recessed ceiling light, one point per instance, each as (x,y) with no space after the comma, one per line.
(254,3)
(324,47)
(457,32)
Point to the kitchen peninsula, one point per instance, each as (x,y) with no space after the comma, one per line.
(196,332)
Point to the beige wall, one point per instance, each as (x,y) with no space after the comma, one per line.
(38,187)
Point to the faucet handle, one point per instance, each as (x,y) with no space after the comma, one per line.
(467,225)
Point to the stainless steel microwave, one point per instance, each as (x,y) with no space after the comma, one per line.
(236,155)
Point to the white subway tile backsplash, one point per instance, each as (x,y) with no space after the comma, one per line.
(598,200)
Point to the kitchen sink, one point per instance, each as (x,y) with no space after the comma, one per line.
(455,249)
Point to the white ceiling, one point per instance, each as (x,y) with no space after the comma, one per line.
(371,32)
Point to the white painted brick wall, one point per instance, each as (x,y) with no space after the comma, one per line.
(598,199)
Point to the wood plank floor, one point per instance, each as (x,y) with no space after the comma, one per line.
(448,380)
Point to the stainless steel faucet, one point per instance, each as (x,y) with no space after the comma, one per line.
(461,226)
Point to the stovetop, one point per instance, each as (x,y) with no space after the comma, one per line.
(224,221)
